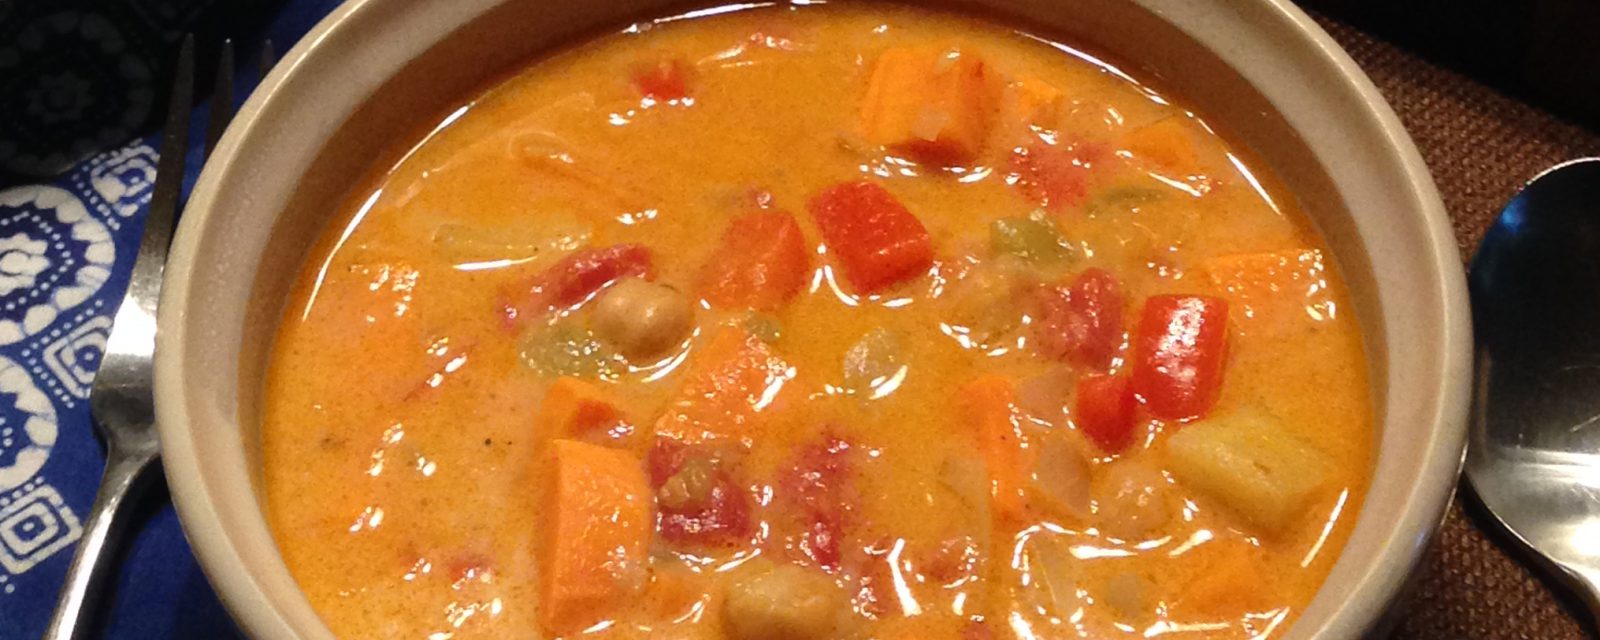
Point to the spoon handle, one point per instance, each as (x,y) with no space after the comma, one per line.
(123,479)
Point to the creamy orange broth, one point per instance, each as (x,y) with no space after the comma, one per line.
(404,473)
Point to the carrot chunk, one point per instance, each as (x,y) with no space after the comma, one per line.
(878,242)
(726,387)
(1168,144)
(761,265)
(933,105)
(987,406)
(594,553)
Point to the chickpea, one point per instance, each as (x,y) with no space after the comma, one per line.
(784,602)
(642,319)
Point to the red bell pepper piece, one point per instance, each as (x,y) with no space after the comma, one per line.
(1105,409)
(877,241)
(761,265)
(585,271)
(1179,354)
(1082,321)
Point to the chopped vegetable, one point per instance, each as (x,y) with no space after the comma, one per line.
(784,602)
(1031,238)
(1056,176)
(663,80)
(1234,581)
(988,301)
(877,241)
(1054,575)
(726,386)
(593,557)
(1274,291)
(986,406)
(1128,593)
(1169,144)
(762,263)
(818,490)
(872,362)
(1122,200)
(765,327)
(1033,101)
(1250,465)
(642,319)
(1082,321)
(1061,476)
(935,106)
(1133,500)
(585,271)
(568,349)
(1105,410)
(1179,354)
(698,502)
(1044,397)
(573,408)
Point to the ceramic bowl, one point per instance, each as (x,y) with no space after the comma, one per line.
(373,70)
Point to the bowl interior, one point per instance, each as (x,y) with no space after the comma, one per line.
(377,71)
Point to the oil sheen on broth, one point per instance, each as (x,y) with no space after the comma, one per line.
(816,322)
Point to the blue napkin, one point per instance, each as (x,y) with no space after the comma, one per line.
(66,246)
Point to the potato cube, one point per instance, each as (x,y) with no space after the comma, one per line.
(1250,465)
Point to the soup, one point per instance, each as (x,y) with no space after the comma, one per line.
(843,321)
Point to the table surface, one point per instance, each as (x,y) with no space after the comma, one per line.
(1481,147)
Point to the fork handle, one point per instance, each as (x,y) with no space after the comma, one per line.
(123,480)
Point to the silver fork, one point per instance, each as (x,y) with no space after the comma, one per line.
(121,400)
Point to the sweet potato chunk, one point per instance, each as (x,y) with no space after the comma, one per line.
(727,385)
(594,552)
(1168,144)
(573,408)
(933,105)
(1276,291)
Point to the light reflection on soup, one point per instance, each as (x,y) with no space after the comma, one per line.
(817,322)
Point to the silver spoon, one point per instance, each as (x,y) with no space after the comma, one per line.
(1533,455)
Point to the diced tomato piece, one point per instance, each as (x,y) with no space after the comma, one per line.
(878,242)
(585,271)
(761,265)
(1105,410)
(663,80)
(717,513)
(1179,354)
(1057,175)
(820,490)
(1082,321)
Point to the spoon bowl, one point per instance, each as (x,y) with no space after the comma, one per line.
(1533,452)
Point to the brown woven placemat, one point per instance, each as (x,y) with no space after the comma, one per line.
(1481,146)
